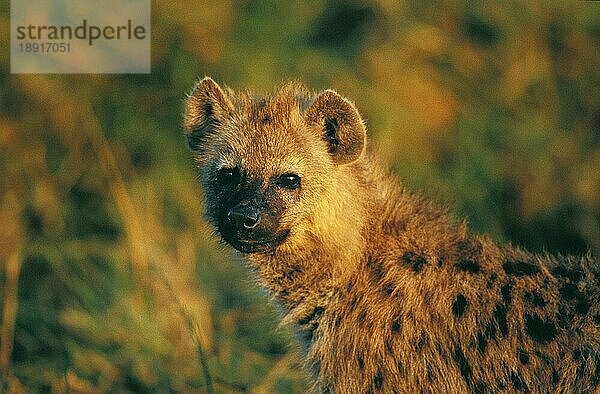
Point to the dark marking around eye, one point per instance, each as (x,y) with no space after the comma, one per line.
(229,176)
(468,266)
(289,181)
(520,268)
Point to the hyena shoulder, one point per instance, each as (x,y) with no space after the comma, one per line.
(388,293)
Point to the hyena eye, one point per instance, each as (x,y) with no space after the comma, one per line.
(229,176)
(289,181)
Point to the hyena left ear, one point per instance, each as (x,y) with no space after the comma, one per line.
(341,125)
(205,109)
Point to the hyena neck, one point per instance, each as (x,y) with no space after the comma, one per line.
(304,280)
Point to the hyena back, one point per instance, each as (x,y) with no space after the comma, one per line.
(387,292)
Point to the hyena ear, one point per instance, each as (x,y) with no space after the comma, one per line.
(205,109)
(341,125)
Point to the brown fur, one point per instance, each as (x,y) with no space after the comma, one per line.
(388,293)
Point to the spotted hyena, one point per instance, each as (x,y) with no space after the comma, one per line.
(388,293)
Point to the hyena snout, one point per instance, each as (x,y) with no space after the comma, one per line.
(243,216)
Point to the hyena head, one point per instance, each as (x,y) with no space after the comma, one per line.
(264,161)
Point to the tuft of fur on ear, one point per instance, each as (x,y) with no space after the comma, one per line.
(341,125)
(205,109)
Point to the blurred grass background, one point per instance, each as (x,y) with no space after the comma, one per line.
(110,279)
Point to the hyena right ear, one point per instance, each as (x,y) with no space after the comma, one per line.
(341,126)
(205,109)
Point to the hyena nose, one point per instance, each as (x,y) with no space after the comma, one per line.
(243,216)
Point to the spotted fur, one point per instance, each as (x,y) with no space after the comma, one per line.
(388,293)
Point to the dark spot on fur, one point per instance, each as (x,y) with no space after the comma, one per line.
(427,297)
(420,343)
(353,303)
(491,280)
(429,373)
(582,307)
(597,319)
(555,377)
(441,261)
(480,388)
(459,305)
(596,370)
(314,315)
(540,330)
(350,286)
(535,299)
(517,382)
(338,321)
(506,291)
(414,260)
(388,346)
(463,364)
(481,342)
(576,354)
(309,333)
(389,288)
(293,272)
(500,317)
(361,317)
(520,268)
(400,367)
(396,325)
(360,361)
(376,269)
(523,357)
(569,291)
(378,380)
(468,266)
(284,293)
(572,274)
